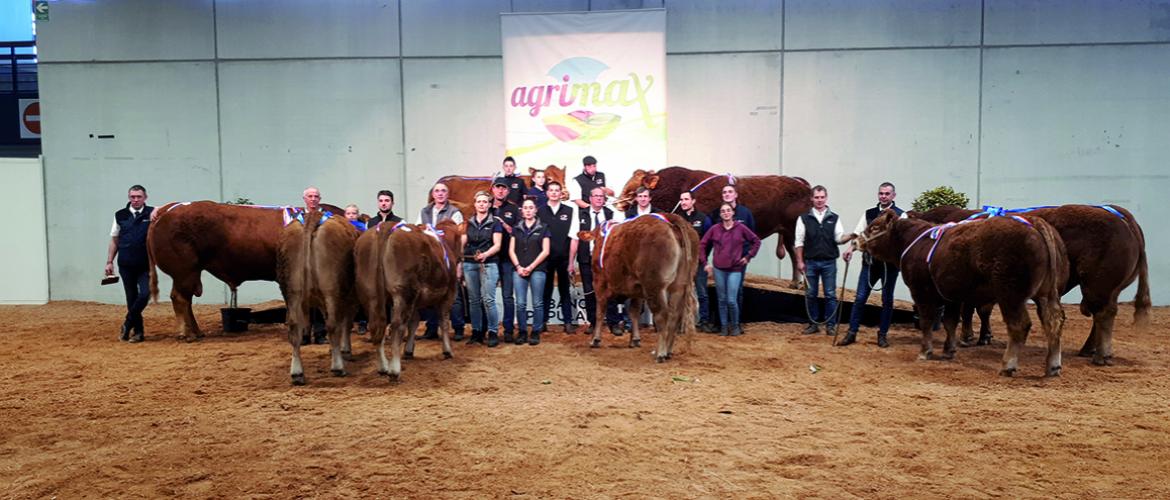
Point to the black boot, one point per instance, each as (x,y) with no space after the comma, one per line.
(508,337)
(723,331)
(850,337)
(882,342)
(476,338)
(125,335)
(493,339)
(459,335)
(137,336)
(534,339)
(522,337)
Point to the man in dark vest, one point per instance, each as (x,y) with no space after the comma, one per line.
(701,223)
(888,274)
(818,233)
(439,210)
(589,179)
(588,219)
(562,251)
(385,210)
(128,244)
(509,215)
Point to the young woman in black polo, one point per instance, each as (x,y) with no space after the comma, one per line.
(529,249)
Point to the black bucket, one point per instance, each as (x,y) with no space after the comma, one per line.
(235,319)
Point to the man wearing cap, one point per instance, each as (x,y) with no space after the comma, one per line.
(589,179)
(508,214)
(128,244)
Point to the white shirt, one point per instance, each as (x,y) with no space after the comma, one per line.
(638,210)
(115,230)
(838,231)
(861,224)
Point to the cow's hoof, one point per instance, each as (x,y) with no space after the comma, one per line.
(595,344)
(1102,361)
(1086,352)
(1007,372)
(669,355)
(923,356)
(984,340)
(447,355)
(339,373)
(947,356)
(395,378)
(1054,371)
(408,355)
(189,338)
(382,372)
(298,379)
(347,355)
(635,342)
(661,359)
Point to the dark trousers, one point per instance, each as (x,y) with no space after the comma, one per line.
(431,315)
(889,280)
(507,273)
(558,265)
(136,283)
(611,307)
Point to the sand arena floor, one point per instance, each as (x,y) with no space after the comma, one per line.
(85,415)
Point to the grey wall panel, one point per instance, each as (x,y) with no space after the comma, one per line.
(452,27)
(454,108)
(162,117)
(817,24)
(307,28)
(854,120)
(550,5)
(1076,21)
(703,26)
(336,125)
(127,30)
(1081,125)
(624,4)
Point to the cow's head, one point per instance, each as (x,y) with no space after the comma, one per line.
(878,240)
(555,173)
(647,178)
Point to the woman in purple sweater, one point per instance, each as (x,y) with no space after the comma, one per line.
(729,238)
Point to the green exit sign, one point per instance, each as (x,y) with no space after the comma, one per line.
(41,9)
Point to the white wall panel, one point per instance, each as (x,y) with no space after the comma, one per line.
(816,24)
(1081,125)
(1076,21)
(550,5)
(452,27)
(704,26)
(162,117)
(127,30)
(307,28)
(455,111)
(624,4)
(24,279)
(854,120)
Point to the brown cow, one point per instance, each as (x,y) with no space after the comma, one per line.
(418,268)
(315,269)
(235,243)
(776,201)
(1106,253)
(462,189)
(1004,260)
(652,260)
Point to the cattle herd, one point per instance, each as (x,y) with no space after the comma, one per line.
(954,262)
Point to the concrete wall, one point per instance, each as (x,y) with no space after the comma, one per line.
(25,273)
(1016,102)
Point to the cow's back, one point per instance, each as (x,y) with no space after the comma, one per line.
(234,243)
(987,261)
(639,254)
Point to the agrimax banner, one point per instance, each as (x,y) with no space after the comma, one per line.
(586,83)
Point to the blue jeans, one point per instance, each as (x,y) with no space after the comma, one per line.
(889,281)
(534,283)
(507,272)
(727,287)
(481,295)
(826,272)
(703,315)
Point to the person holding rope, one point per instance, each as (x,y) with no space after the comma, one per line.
(587,220)
(438,210)
(701,224)
(888,274)
(482,241)
(817,237)
(728,239)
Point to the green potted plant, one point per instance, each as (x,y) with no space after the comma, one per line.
(939,196)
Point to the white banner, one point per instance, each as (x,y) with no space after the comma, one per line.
(586,83)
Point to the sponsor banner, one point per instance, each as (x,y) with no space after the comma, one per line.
(580,84)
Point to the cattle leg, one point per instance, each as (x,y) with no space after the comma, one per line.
(298,325)
(395,330)
(984,324)
(1052,321)
(335,322)
(635,318)
(1018,325)
(951,321)
(181,303)
(1103,327)
(602,295)
(927,314)
(968,316)
(657,304)
(1090,346)
(410,334)
(445,327)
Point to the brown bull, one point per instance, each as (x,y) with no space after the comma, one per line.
(235,243)
(418,268)
(652,261)
(1106,253)
(461,189)
(1002,260)
(776,201)
(315,269)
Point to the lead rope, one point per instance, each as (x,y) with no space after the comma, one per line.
(836,309)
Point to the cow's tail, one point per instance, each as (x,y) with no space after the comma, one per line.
(1057,274)
(150,265)
(312,221)
(690,252)
(1141,301)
